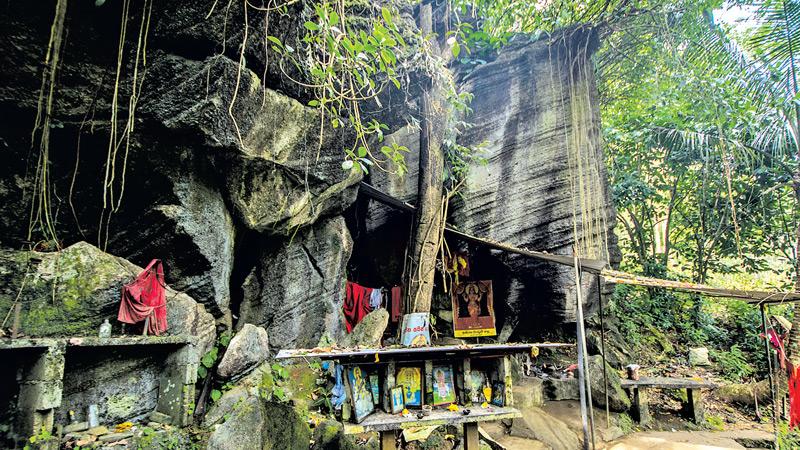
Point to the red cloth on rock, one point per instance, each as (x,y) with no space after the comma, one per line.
(146,297)
(356,304)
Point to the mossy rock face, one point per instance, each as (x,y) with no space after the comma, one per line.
(244,428)
(617,397)
(326,435)
(299,385)
(658,340)
(63,293)
(284,428)
(71,292)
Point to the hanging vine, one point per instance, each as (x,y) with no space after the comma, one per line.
(346,67)
(120,139)
(41,218)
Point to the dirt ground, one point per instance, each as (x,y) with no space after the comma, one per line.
(688,440)
(669,432)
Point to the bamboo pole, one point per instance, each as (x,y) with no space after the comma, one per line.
(768,354)
(603,345)
(585,386)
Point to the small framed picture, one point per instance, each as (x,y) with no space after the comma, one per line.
(477,381)
(411,380)
(374,387)
(398,399)
(499,394)
(444,391)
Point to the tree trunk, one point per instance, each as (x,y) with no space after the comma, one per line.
(426,235)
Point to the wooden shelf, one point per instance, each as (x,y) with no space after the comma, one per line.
(381,421)
(368,355)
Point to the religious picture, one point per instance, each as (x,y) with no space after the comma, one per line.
(473,309)
(498,394)
(416,330)
(360,393)
(411,380)
(398,399)
(476,382)
(444,391)
(374,388)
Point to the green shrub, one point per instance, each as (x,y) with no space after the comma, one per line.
(733,364)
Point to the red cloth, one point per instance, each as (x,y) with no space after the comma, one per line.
(777,342)
(397,303)
(794,397)
(146,297)
(356,304)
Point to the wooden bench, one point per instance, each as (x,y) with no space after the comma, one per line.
(694,395)
(387,424)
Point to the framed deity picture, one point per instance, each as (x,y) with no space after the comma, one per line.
(499,394)
(444,391)
(476,382)
(374,387)
(398,399)
(361,394)
(411,380)
(473,309)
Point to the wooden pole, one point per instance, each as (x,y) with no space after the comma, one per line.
(768,354)
(585,388)
(16,322)
(603,346)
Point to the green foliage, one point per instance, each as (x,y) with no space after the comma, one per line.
(625,423)
(350,62)
(733,363)
(212,357)
(715,422)
(787,438)
(272,385)
(169,439)
(42,440)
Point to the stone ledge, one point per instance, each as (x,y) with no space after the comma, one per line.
(92,341)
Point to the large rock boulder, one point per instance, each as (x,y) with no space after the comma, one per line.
(569,388)
(193,171)
(280,171)
(699,357)
(535,108)
(617,397)
(193,234)
(243,430)
(368,332)
(242,414)
(71,292)
(257,425)
(248,348)
(529,393)
(538,425)
(296,288)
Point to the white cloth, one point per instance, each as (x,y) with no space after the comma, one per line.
(375,298)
